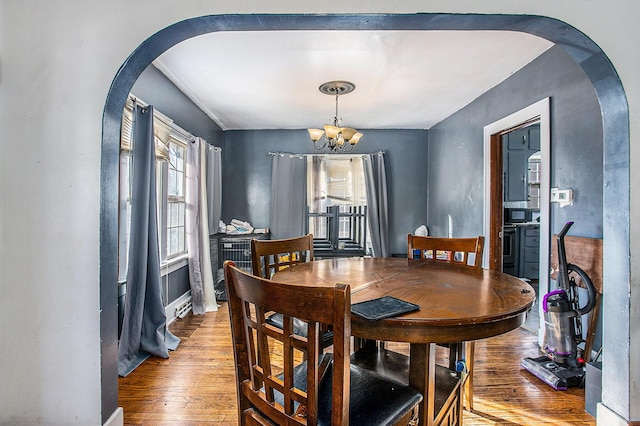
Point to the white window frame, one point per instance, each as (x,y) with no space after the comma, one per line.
(168,261)
(354,190)
(178,199)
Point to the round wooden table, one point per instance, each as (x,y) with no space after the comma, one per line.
(457,303)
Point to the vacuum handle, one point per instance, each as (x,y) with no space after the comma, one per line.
(563,271)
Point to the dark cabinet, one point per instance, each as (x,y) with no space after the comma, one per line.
(521,251)
(534,138)
(518,139)
(530,252)
(516,177)
(510,250)
(518,145)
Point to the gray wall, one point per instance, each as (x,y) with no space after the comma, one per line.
(155,89)
(246,165)
(576,150)
(576,147)
(246,174)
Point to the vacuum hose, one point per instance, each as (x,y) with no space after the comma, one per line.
(565,269)
(591,290)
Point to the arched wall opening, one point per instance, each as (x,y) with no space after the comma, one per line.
(587,54)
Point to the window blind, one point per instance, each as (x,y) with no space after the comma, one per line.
(163,130)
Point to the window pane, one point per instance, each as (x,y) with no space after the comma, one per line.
(181,247)
(124,216)
(173,215)
(174,199)
(178,156)
(176,170)
(179,186)
(174,239)
(172,182)
(181,208)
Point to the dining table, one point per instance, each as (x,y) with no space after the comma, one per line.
(457,303)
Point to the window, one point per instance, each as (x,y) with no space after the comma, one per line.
(171,149)
(124,214)
(336,195)
(175,200)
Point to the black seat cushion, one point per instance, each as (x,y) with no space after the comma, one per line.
(300,328)
(374,399)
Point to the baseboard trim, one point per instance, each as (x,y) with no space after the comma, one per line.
(116,419)
(170,310)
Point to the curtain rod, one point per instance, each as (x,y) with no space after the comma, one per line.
(179,130)
(271,153)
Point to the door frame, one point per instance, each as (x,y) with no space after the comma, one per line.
(493,199)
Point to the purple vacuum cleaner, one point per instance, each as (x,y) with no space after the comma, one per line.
(563,366)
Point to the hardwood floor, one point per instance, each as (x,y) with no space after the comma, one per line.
(196,385)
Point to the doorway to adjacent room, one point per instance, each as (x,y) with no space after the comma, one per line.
(502,194)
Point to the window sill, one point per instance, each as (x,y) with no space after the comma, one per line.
(174,264)
(169,266)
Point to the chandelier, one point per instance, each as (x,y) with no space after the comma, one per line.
(334,137)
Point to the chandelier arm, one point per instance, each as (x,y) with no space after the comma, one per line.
(324,143)
(344,147)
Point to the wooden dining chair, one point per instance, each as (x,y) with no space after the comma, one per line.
(466,251)
(271,256)
(277,385)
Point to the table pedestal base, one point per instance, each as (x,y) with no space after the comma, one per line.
(443,397)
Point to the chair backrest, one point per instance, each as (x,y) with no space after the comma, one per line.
(270,256)
(268,358)
(446,249)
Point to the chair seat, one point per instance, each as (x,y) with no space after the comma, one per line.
(395,366)
(300,328)
(373,399)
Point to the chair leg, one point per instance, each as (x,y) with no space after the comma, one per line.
(468,388)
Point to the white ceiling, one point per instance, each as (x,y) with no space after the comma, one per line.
(404,79)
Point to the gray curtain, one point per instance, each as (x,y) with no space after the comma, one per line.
(144,330)
(316,196)
(214,186)
(196,220)
(288,195)
(375,177)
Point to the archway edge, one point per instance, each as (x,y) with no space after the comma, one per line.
(581,48)
(576,44)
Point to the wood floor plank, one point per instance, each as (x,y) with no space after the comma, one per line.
(196,385)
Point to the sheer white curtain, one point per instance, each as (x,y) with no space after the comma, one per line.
(197,222)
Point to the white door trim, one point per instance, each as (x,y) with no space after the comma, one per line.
(541,110)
